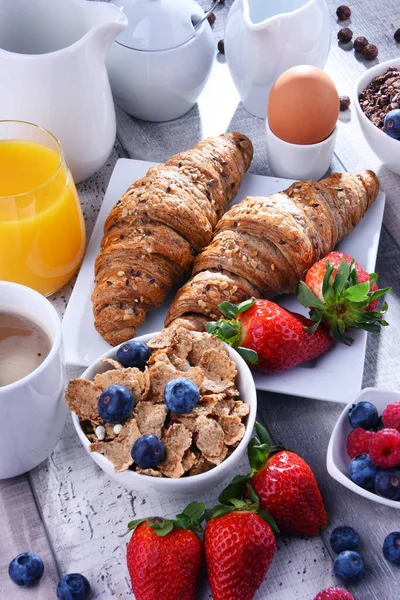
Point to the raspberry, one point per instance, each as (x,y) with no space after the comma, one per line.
(391,416)
(334,593)
(384,448)
(358,442)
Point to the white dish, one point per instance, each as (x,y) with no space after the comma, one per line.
(385,147)
(337,460)
(335,376)
(196,484)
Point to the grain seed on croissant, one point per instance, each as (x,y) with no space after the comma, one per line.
(152,235)
(263,246)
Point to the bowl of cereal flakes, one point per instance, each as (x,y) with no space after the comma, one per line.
(377,94)
(178,422)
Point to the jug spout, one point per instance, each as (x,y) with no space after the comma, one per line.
(106,21)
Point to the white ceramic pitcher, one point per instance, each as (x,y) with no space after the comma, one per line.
(263,38)
(52,55)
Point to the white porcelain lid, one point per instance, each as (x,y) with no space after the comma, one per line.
(155,25)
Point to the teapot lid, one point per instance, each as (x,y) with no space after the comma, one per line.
(156,25)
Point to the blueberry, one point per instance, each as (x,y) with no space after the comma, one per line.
(391,547)
(344,538)
(349,566)
(148,451)
(391,124)
(115,404)
(362,471)
(73,587)
(363,414)
(181,395)
(26,569)
(387,483)
(133,354)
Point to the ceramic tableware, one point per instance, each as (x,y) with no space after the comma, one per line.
(299,161)
(42,231)
(385,147)
(195,484)
(160,64)
(263,38)
(336,376)
(32,410)
(52,56)
(337,460)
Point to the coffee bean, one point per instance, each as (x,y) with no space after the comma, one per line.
(221,46)
(370,52)
(344,102)
(345,35)
(397,35)
(359,43)
(343,12)
(211,19)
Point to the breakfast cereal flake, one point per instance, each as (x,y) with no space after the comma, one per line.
(150,417)
(118,450)
(233,428)
(177,438)
(136,381)
(82,397)
(210,439)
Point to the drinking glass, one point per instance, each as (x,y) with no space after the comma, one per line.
(42,231)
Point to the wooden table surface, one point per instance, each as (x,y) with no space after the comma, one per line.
(70,513)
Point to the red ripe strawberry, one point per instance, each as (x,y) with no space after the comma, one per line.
(358,442)
(164,556)
(269,336)
(384,448)
(239,547)
(334,593)
(285,485)
(342,294)
(391,416)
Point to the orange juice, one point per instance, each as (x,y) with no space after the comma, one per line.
(42,232)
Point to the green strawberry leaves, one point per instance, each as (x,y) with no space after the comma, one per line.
(229,330)
(344,302)
(190,518)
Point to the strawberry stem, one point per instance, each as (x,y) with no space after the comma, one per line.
(190,518)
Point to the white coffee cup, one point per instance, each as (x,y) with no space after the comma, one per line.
(298,161)
(33,409)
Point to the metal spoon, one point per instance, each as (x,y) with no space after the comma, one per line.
(206,15)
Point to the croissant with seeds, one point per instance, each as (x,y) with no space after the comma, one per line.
(152,235)
(263,246)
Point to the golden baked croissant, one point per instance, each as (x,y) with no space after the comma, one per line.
(263,246)
(154,232)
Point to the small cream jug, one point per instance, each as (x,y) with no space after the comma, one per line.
(264,38)
(52,55)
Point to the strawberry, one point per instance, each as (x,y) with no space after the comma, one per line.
(285,485)
(239,545)
(268,336)
(164,556)
(341,294)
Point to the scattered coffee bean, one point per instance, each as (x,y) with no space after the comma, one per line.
(345,35)
(381,96)
(397,35)
(343,12)
(211,19)
(344,102)
(221,46)
(370,52)
(359,43)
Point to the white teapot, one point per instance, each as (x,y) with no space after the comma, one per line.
(160,64)
(52,70)
(264,38)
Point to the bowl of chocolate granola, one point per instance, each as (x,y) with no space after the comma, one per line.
(377,104)
(171,411)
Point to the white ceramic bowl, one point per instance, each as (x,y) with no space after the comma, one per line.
(195,484)
(337,458)
(385,147)
(299,161)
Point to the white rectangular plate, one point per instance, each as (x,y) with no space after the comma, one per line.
(335,376)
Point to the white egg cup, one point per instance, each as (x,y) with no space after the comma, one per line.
(299,161)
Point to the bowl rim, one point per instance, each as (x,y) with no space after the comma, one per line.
(331,465)
(362,82)
(171,483)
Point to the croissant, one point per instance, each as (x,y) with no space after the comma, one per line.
(263,246)
(161,223)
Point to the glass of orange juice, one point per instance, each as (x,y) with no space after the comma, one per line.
(42,231)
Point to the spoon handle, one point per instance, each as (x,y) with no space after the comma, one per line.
(207,14)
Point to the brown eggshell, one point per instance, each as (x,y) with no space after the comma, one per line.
(303,106)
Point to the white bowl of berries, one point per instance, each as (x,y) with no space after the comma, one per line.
(131,411)
(364,449)
(381,131)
